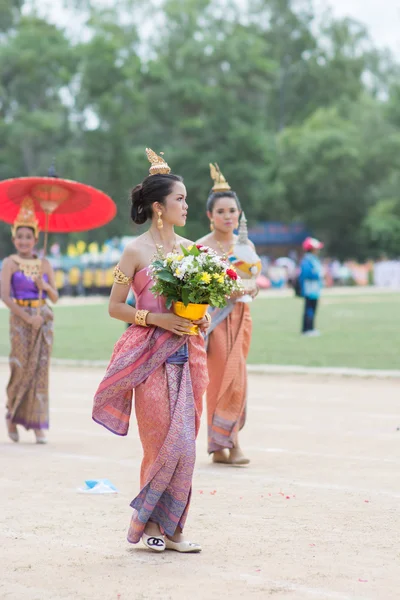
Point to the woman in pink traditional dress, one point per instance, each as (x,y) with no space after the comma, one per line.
(164,367)
(229,336)
(23,275)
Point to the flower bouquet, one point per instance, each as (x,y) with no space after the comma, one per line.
(193,280)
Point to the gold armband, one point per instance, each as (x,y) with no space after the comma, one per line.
(140,318)
(120,277)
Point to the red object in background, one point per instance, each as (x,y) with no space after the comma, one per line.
(263,282)
(312,244)
(61,205)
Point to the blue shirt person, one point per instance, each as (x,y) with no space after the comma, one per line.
(311,282)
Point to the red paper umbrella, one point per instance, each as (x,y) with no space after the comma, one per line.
(61,206)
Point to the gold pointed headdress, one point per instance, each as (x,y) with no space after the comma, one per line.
(26,217)
(220,183)
(158,164)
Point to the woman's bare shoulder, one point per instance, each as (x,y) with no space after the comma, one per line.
(133,246)
(7,261)
(205,240)
(10,263)
(46,265)
(8,268)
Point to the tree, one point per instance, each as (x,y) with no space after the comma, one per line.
(301,116)
(331,168)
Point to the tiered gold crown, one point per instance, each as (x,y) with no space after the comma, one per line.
(26,217)
(220,183)
(158,164)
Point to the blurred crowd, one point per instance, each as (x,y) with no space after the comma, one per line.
(91,273)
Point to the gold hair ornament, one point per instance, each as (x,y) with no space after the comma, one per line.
(120,277)
(26,218)
(220,183)
(158,164)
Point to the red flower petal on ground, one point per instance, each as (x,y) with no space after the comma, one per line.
(231,274)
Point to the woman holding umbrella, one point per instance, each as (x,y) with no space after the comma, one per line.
(59,206)
(26,282)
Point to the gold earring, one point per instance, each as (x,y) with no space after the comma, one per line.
(211,225)
(160,224)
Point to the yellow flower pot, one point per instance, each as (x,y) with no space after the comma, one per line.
(193,312)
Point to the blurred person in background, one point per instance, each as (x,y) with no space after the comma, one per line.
(26,282)
(229,339)
(311,281)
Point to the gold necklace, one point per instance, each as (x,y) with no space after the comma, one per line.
(224,252)
(160,247)
(30,267)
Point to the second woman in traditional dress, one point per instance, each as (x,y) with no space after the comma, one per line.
(164,368)
(26,282)
(229,336)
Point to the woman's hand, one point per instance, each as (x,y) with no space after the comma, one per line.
(41,284)
(203,324)
(36,321)
(237,295)
(170,322)
(253,293)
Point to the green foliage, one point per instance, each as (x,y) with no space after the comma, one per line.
(303,118)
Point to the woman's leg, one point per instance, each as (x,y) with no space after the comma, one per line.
(166,418)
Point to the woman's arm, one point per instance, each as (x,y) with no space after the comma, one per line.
(6,274)
(119,309)
(50,286)
(117,306)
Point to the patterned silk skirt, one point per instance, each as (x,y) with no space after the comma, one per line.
(28,387)
(228,348)
(168,376)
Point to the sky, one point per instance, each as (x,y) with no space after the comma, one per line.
(382,17)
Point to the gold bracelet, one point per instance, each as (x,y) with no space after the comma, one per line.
(120,277)
(140,318)
(208,317)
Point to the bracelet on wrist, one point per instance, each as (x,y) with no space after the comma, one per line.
(141,318)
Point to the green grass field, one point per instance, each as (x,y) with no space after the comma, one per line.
(358,331)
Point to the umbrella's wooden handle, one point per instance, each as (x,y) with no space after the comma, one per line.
(39,303)
(46,236)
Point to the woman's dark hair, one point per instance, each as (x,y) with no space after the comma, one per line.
(155,188)
(214,196)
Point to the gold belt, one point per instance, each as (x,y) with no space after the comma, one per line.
(31,303)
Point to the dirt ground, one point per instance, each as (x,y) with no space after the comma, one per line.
(316,514)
